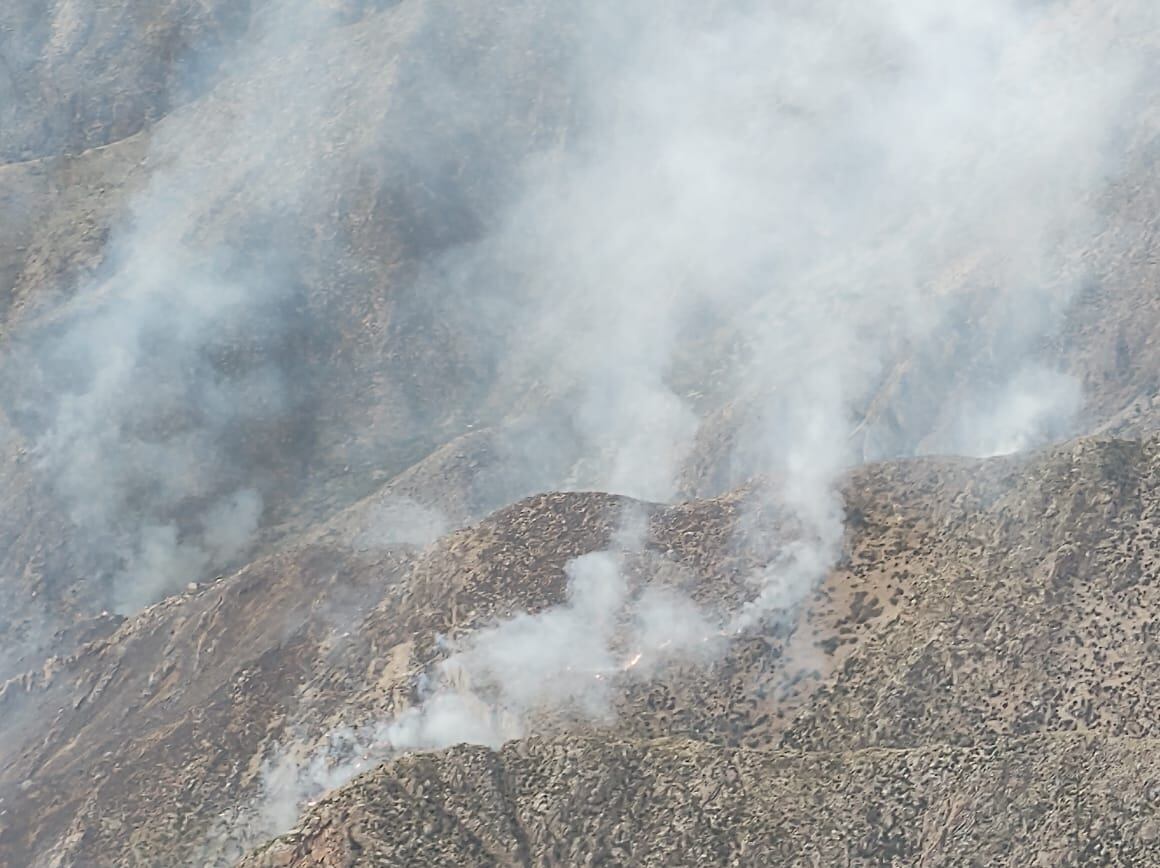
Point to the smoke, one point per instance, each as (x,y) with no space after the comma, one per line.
(400,520)
(847,223)
(765,206)
(160,556)
(132,447)
(568,662)
(788,203)
(568,659)
(1036,404)
(170,402)
(830,188)
(247,336)
(135,385)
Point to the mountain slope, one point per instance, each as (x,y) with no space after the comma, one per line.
(923,637)
(1046,800)
(377,376)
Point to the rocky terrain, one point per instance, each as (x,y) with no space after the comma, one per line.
(958,628)
(682,803)
(436,434)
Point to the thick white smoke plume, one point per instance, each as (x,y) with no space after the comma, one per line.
(803,178)
(826,187)
(570,660)
(765,207)
(833,220)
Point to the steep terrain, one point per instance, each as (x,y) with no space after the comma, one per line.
(956,620)
(323,326)
(1061,800)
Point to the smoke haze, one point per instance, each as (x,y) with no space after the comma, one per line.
(767,202)
(842,230)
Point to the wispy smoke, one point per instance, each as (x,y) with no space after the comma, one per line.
(794,205)
(825,189)
(1035,405)
(150,393)
(399,520)
(571,661)
(244,313)
(782,204)
(847,226)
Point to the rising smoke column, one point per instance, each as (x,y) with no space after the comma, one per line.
(786,180)
(811,176)
(831,189)
(792,179)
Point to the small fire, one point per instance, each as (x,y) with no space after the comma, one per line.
(634,660)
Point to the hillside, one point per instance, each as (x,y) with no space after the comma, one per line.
(680,803)
(547,434)
(955,620)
